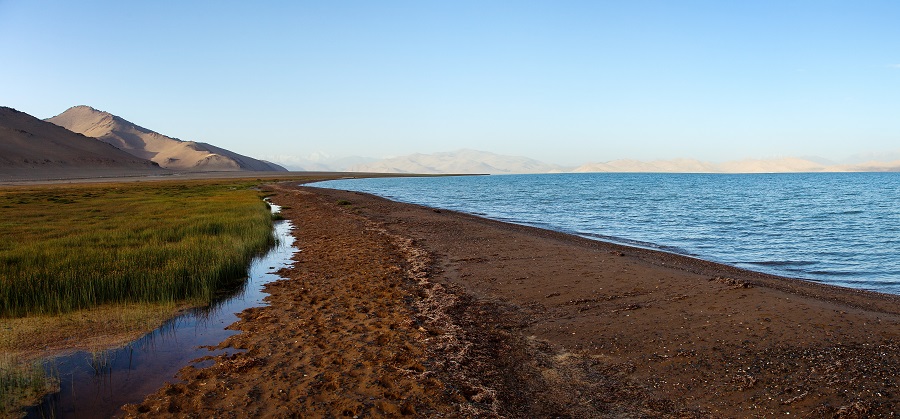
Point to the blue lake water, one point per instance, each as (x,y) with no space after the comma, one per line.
(837,228)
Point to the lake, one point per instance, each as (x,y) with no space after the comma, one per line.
(838,228)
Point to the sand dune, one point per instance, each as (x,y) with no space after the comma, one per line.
(168,152)
(34,149)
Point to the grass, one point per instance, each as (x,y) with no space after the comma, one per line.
(69,247)
(94,266)
(22,381)
(93,329)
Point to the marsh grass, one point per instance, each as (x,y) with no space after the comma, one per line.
(93,329)
(22,383)
(66,248)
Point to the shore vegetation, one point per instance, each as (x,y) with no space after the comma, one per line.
(76,247)
(22,382)
(94,266)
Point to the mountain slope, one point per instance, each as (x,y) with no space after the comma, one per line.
(782,165)
(34,149)
(459,162)
(170,153)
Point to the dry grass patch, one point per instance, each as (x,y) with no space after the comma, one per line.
(93,329)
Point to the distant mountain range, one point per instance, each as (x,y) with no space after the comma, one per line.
(86,142)
(480,162)
(461,161)
(779,165)
(34,149)
(170,153)
(695,166)
(321,163)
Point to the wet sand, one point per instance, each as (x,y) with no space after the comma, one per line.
(395,309)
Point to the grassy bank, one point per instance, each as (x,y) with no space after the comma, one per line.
(94,266)
(75,247)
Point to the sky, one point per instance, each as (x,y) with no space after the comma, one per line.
(565,82)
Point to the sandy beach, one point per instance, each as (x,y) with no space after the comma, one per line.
(395,309)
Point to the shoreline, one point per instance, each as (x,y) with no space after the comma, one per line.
(38,339)
(696,264)
(828,234)
(482,317)
(869,299)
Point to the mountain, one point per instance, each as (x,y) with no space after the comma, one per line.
(629,166)
(458,162)
(170,153)
(782,165)
(34,149)
(684,165)
(873,157)
(320,162)
(875,166)
(471,161)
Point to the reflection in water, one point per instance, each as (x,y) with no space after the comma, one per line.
(98,384)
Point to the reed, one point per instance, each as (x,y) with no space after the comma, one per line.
(22,383)
(71,247)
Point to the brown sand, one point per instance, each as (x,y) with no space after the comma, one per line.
(396,309)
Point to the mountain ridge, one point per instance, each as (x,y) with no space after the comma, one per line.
(463,161)
(31,148)
(169,152)
(466,161)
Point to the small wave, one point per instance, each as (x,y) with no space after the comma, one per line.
(841,274)
(635,243)
(780,263)
(829,231)
(874,283)
(830,214)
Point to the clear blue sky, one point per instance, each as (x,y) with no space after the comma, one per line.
(561,81)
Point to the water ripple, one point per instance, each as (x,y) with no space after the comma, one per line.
(839,228)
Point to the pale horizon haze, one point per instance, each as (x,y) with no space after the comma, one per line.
(565,82)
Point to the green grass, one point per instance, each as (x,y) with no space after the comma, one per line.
(22,383)
(71,247)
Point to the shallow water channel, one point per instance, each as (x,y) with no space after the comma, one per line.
(99,384)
